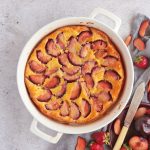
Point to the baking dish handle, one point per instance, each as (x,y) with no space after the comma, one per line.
(52,139)
(108,14)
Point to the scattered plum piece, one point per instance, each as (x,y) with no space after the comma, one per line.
(84,50)
(84,36)
(45,97)
(64,109)
(70,71)
(36,67)
(105,85)
(117,126)
(76,91)
(139,44)
(140,112)
(51,48)
(89,81)
(37,79)
(53,82)
(74,111)
(99,45)
(81,144)
(128,40)
(52,105)
(143,27)
(60,40)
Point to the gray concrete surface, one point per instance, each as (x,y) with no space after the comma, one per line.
(19,19)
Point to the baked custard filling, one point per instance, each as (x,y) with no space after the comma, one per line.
(75,74)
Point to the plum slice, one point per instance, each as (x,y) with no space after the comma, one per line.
(84,88)
(74,59)
(105,85)
(42,57)
(48,73)
(72,44)
(71,78)
(62,91)
(85,108)
(88,66)
(51,48)
(84,50)
(71,71)
(100,54)
(112,74)
(45,96)
(52,83)
(53,105)
(74,111)
(37,79)
(36,67)
(84,36)
(98,105)
(99,45)
(64,109)
(63,59)
(60,40)
(89,81)
(75,91)
(109,61)
(104,96)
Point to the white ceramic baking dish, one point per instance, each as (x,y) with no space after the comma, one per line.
(113,113)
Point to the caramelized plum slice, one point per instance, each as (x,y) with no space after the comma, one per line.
(53,105)
(89,81)
(100,54)
(53,82)
(84,88)
(99,45)
(37,79)
(42,57)
(51,48)
(112,74)
(84,36)
(36,67)
(75,91)
(72,44)
(74,59)
(98,105)
(64,109)
(60,40)
(45,97)
(85,108)
(84,50)
(104,96)
(63,59)
(105,85)
(50,72)
(74,111)
(71,71)
(109,60)
(62,91)
(88,66)
(71,78)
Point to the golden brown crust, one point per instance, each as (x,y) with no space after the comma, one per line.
(108,67)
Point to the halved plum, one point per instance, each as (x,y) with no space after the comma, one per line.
(72,44)
(109,61)
(53,105)
(45,96)
(100,54)
(84,50)
(112,74)
(104,96)
(42,57)
(71,71)
(99,45)
(52,83)
(51,48)
(75,91)
(71,78)
(64,109)
(37,79)
(88,66)
(85,108)
(74,59)
(62,91)
(84,36)
(89,81)
(48,73)
(105,85)
(74,111)
(60,40)
(36,67)
(63,59)
(98,105)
